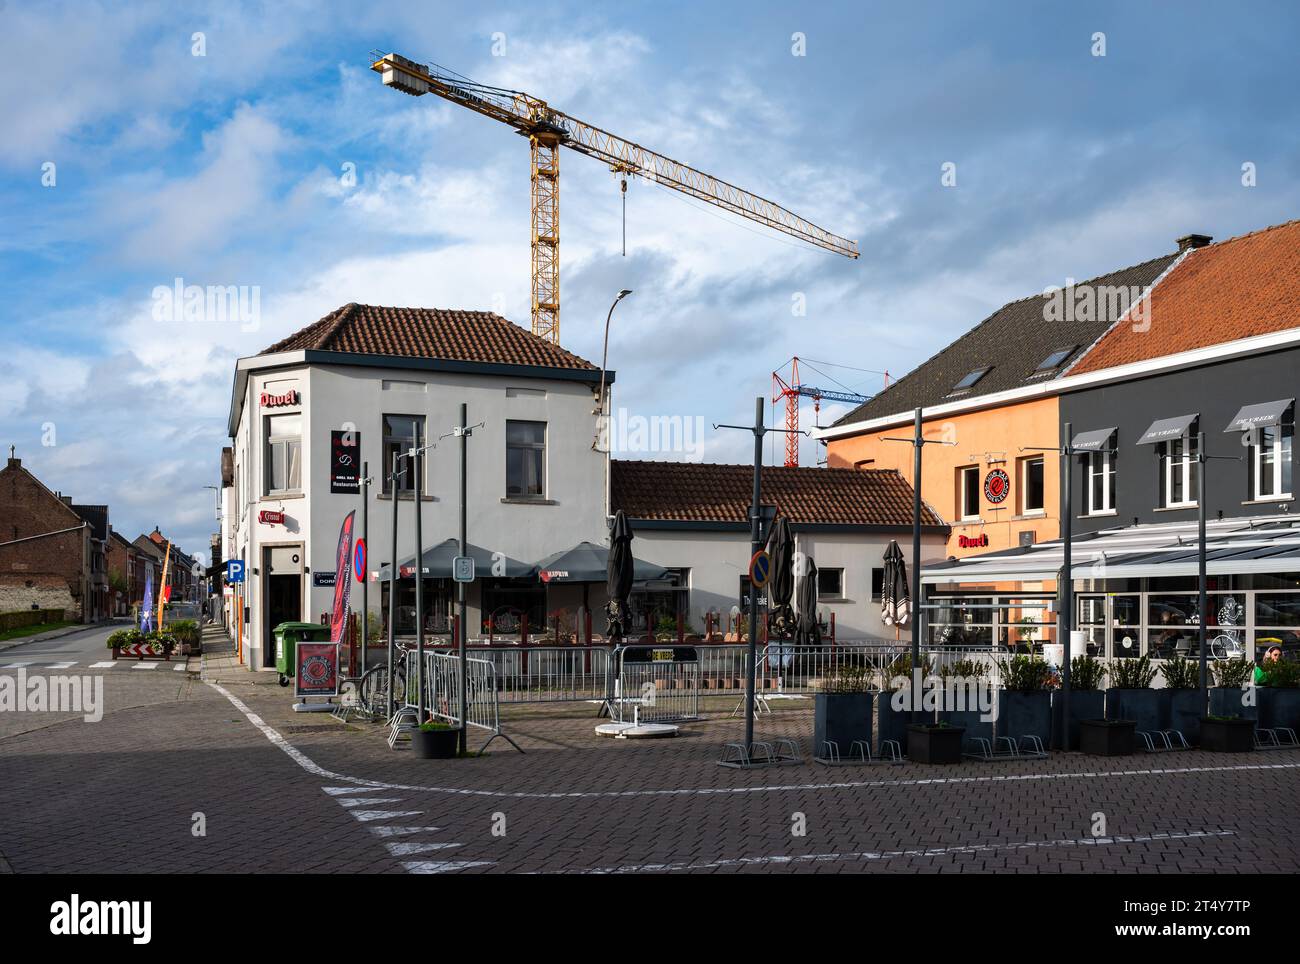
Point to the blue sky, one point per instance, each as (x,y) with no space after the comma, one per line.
(225,169)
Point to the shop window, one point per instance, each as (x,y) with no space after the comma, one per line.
(283,454)
(1100,478)
(1031,486)
(655,608)
(968,491)
(1179,473)
(1270,462)
(398,435)
(830,583)
(525,460)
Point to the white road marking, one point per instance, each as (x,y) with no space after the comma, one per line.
(367,815)
(179,668)
(411,849)
(362,801)
(400,831)
(312,767)
(106,664)
(65,665)
(146,666)
(339,791)
(442,866)
(871,855)
(17,665)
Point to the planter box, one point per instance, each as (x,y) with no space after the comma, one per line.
(1228,736)
(891,724)
(1278,707)
(971,719)
(1231,701)
(1084,705)
(841,718)
(1185,711)
(1107,737)
(435,744)
(935,744)
(1023,714)
(1147,708)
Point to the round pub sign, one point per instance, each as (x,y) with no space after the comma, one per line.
(997,486)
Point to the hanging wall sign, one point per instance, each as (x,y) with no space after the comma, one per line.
(997,486)
(345,462)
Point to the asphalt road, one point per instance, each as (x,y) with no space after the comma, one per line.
(88,644)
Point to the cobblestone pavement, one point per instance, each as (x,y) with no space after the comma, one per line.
(295,792)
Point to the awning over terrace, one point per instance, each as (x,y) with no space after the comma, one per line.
(1233,547)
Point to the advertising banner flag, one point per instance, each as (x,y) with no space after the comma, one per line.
(164,591)
(342,579)
(146,606)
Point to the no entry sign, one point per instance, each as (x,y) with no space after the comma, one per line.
(359,561)
(760,567)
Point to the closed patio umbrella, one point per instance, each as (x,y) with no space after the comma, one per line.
(780,547)
(808,631)
(895,601)
(618,577)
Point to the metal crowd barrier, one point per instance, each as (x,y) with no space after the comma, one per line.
(548,674)
(656,684)
(442,689)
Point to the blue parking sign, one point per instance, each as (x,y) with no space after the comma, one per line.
(234,570)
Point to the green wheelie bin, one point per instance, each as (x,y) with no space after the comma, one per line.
(287,637)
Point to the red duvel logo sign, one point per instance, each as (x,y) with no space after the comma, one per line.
(973,542)
(268,400)
(997,486)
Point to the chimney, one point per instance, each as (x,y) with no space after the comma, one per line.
(1189,241)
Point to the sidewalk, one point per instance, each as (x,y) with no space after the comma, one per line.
(218,664)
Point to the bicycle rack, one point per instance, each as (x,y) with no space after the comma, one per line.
(1007,748)
(760,753)
(406,720)
(1276,738)
(859,754)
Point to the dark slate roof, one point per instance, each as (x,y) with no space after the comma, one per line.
(96,516)
(700,492)
(1012,342)
(448,335)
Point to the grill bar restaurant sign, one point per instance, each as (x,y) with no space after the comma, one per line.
(345,462)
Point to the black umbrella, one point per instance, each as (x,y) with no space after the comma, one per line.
(809,632)
(780,547)
(895,596)
(618,577)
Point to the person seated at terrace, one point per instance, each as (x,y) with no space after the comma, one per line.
(1271,656)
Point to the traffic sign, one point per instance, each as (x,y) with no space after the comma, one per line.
(359,561)
(234,570)
(462,569)
(760,567)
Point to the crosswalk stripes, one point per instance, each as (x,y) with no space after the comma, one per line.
(29,664)
(352,800)
(66,665)
(105,664)
(145,666)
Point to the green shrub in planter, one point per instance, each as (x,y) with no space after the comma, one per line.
(1130,696)
(1233,691)
(1025,701)
(842,711)
(1278,703)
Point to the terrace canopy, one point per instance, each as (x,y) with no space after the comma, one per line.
(436,562)
(588,562)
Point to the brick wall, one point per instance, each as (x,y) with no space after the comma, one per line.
(28,509)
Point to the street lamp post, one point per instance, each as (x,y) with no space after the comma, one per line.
(604,360)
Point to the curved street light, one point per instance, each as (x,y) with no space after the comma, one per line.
(604,359)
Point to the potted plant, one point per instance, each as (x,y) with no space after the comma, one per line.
(1183,681)
(1278,701)
(1106,737)
(842,710)
(1227,734)
(1130,696)
(1025,700)
(934,743)
(967,698)
(894,703)
(435,741)
(1233,692)
(1087,699)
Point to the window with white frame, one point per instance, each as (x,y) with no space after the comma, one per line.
(283,454)
(968,491)
(1270,462)
(1100,478)
(1179,482)
(1031,486)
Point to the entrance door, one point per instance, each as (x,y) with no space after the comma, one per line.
(283,594)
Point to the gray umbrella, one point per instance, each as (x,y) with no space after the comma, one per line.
(895,595)
(808,631)
(436,561)
(588,562)
(780,546)
(618,577)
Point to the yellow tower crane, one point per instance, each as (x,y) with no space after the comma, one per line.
(547,130)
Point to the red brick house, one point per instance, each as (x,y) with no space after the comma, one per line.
(48,550)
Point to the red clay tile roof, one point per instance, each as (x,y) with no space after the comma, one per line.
(469,336)
(1234,289)
(697,492)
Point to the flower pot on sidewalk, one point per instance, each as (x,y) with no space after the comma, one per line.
(439,743)
(1106,737)
(935,743)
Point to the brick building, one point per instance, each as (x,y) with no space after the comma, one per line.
(48,552)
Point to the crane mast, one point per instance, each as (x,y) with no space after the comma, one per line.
(547,130)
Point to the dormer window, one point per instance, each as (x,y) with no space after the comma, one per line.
(971,378)
(1056,359)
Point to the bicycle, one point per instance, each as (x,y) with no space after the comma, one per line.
(373,696)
